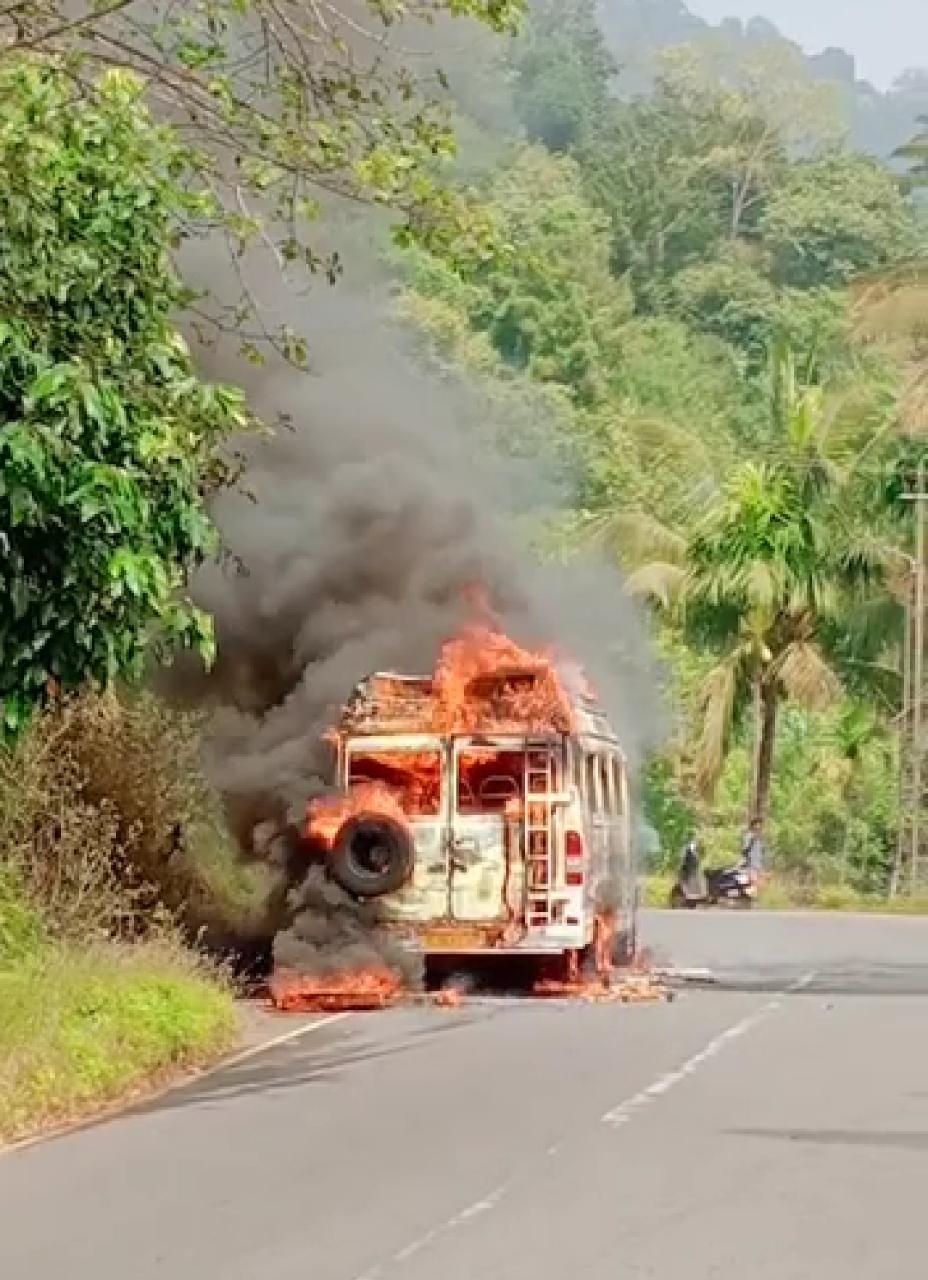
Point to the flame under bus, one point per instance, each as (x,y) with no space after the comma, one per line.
(518,812)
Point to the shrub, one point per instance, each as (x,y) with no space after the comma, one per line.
(107,820)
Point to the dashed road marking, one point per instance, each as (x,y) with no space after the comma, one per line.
(630,1107)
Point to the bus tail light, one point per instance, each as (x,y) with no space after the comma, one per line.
(574,854)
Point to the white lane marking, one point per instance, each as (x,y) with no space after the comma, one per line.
(475,1210)
(616,1117)
(486,1204)
(625,1111)
(286,1037)
(416,1246)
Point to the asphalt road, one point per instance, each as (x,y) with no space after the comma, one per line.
(773,1126)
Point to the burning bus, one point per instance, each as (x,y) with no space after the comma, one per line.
(485,808)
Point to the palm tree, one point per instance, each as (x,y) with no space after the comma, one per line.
(765,577)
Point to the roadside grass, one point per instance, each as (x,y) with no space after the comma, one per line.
(656,890)
(113,857)
(780,895)
(83,1028)
(21,932)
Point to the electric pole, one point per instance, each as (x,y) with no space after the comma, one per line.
(911,870)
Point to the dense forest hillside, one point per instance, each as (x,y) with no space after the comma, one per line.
(723,290)
(637,31)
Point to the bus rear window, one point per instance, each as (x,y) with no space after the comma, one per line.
(490,781)
(413,776)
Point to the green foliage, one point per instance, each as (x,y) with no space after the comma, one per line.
(640,31)
(289,111)
(108,828)
(667,812)
(688,170)
(730,297)
(768,575)
(546,302)
(108,437)
(20,927)
(562,74)
(834,217)
(915,153)
(669,427)
(832,816)
(644,169)
(80,1028)
(749,491)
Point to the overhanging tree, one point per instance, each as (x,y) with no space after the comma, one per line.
(108,439)
(287,105)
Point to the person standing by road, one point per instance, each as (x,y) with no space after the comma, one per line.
(691,875)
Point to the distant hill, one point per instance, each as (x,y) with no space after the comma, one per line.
(637,30)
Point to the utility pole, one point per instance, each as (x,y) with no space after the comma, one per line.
(911,870)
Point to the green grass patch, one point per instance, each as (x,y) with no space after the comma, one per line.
(656,890)
(81,1029)
(21,932)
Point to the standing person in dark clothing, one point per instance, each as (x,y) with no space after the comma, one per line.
(691,876)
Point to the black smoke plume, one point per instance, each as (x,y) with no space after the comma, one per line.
(361,525)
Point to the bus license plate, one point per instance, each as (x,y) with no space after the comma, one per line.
(453,940)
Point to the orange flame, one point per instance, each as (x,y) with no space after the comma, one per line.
(485,681)
(448,998)
(636,985)
(326,815)
(634,989)
(357,989)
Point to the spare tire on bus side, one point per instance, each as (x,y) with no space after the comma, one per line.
(371,856)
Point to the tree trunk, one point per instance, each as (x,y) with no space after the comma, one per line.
(767,708)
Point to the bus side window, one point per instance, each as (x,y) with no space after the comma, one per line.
(617,781)
(575,764)
(591,789)
(605,784)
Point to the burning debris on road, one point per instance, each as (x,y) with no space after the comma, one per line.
(350,990)
(626,988)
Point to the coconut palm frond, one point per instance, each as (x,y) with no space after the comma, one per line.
(633,537)
(806,676)
(869,556)
(717,701)
(892,303)
(659,582)
(866,631)
(659,439)
(913,403)
(762,585)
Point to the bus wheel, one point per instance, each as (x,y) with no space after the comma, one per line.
(373,855)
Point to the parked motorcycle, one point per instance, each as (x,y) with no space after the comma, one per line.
(732,886)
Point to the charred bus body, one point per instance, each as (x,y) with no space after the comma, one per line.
(487,812)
